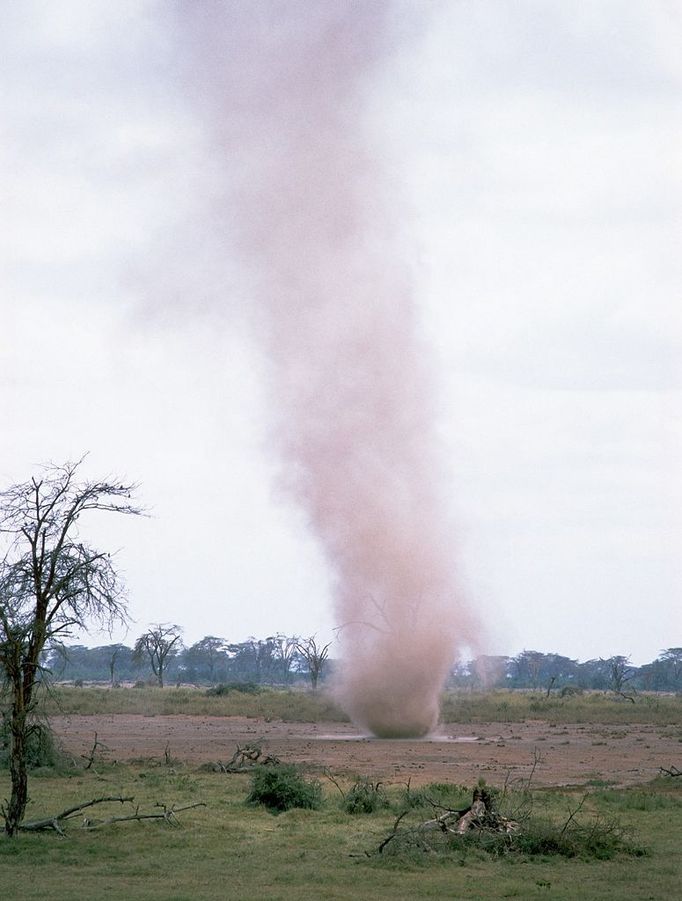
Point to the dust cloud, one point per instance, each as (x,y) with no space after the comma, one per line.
(283,88)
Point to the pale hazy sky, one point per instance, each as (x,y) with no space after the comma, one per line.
(535,152)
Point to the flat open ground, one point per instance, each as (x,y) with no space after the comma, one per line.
(569,754)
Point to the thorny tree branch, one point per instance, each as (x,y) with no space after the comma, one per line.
(572,814)
(392,834)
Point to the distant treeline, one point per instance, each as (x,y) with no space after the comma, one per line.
(278,660)
(550,672)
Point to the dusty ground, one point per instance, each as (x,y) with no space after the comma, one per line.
(569,754)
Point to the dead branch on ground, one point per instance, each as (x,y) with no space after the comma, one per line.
(56,822)
(167,814)
(245,759)
(392,834)
(673,771)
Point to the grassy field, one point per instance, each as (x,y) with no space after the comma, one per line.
(304,706)
(589,707)
(287,705)
(229,849)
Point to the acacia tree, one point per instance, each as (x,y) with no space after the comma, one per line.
(207,653)
(113,654)
(51,582)
(285,650)
(620,673)
(672,660)
(158,644)
(315,656)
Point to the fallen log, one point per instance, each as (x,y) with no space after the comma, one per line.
(57,821)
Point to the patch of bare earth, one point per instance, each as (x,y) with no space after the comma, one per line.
(568,754)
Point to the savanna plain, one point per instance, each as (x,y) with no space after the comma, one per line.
(583,776)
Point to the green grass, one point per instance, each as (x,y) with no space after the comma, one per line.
(590,707)
(236,851)
(289,705)
(293,705)
(232,850)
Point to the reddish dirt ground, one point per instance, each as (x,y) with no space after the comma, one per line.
(569,754)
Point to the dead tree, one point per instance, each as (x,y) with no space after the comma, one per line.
(315,656)
(158,644)
(51,583)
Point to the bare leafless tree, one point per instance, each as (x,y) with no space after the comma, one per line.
(114,651)
(620,673)
(158,644)
(315,656)
(51,582)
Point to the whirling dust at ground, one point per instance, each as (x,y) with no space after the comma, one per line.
(283,87)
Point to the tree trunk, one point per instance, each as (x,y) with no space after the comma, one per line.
(14,812)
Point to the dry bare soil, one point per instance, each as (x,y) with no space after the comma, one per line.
(561,754)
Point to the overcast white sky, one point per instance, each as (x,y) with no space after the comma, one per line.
(536,151)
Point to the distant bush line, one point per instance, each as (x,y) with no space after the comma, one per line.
(276,661)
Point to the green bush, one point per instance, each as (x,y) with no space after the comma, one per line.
(247,688)
(282,787)
(365,797)
(436,794)
(600,839)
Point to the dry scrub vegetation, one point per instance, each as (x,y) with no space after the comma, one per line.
(291,705)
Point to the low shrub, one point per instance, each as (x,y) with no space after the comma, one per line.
(283,787)
(365,797)
(247,688)
(570,691)
(599,839)
(435,794)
